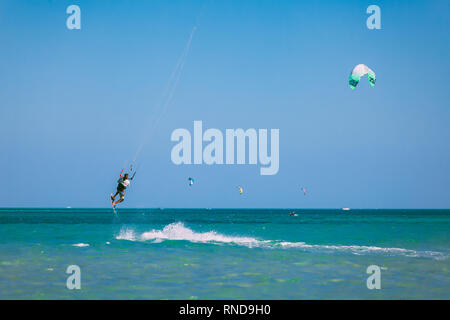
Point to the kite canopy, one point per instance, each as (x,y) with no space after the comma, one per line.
(304,191)
(191,181)
(359,71)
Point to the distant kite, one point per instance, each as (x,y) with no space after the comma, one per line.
(191,181)
(240,190)
(359,71)
(304,191)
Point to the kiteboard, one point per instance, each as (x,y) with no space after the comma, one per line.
(112,204)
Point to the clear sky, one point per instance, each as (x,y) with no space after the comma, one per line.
(76,104)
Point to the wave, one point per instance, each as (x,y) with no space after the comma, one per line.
(177,231)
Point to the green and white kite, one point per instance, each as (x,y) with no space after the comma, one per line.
(359,71)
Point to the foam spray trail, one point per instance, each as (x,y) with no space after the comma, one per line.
(168,93)
(178,232)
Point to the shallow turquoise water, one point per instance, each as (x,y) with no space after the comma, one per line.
(224,254)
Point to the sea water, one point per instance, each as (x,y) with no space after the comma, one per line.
(224,254)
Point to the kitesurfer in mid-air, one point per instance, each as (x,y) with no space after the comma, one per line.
(123,183)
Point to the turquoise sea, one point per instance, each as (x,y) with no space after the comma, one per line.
(224,254)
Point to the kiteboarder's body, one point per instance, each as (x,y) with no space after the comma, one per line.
(123,183)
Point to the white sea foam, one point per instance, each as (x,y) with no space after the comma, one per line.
(81,245)
(177,231)
(126,234)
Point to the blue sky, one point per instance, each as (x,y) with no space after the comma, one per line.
(76,104)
